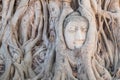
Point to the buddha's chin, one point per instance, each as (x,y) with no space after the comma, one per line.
(78,46)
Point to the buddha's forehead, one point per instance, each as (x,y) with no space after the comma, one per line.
(77,23)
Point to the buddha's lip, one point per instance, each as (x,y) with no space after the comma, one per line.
(79,42)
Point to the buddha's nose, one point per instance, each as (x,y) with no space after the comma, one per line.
(79,36)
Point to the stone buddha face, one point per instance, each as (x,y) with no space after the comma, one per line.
(75,31)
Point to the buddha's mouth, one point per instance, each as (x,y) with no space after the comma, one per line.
(79,42)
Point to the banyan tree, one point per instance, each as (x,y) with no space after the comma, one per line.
(59,39)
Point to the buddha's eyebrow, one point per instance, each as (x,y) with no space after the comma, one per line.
(84,26)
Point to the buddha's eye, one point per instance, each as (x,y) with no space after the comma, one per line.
(72,30)
(84,29)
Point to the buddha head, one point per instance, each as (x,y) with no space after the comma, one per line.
(75,29)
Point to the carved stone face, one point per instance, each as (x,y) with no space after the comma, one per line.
(75,33)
